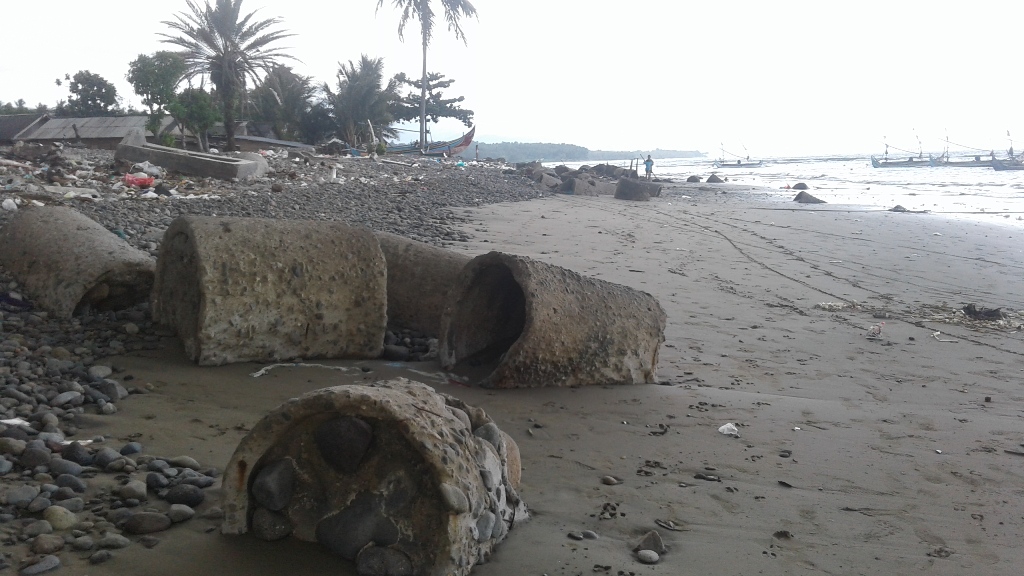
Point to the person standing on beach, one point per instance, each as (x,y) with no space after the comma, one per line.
(648,167)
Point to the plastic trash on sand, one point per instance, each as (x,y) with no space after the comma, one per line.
(149,169)
(729,429)
(140,181)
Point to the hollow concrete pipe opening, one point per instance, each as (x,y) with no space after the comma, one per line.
(393,476)
(514,322)
(489,319)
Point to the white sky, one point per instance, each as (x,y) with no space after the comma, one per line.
(778,77)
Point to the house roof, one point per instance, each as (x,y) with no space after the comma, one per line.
(104,127)
(12,124)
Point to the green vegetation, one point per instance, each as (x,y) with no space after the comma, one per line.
(227,48)
(154,78)
(195,110)
(91,95)
(422,10)
(409,106)
(361,96)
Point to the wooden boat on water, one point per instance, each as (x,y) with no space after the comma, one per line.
(976,161)
(911,162)
(1008,164)
(720,163)
(447,148)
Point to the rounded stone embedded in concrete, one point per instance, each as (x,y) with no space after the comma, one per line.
(250,289)
(67,262)
(535,324)
(417,492)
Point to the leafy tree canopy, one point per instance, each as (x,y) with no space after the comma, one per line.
(91,95)
(155,77)
(362,96)
(407,107)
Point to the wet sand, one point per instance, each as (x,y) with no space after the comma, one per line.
(896,460)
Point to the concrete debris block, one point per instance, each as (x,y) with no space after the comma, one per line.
(428,496)
(587,187)
(262,166)
(542,325)
(250,289)
(632,189)
(67,262)
(420,276)
(134,148)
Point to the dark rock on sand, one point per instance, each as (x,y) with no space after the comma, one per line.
(275,484)
(343,442)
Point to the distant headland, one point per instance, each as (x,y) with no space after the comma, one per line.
(529,151)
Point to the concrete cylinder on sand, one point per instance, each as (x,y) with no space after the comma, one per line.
(542,325)
(67,262)
(393,476)
(420,276)
(250,289)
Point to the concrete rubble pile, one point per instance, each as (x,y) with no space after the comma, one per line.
(393,476)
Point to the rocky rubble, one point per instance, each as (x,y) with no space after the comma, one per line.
(60,492)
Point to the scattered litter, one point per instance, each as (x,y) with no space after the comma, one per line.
(140,180)
(70,442)
(14,422)
(936,234)
(832,306)
(265,369)
(149,169)
(671,525)
(10,205)
(835,261)
(938,451)
(936,336)
(729,429)
(796,428)
(785,484)
(875,332)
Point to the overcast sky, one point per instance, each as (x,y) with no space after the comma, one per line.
(778,78)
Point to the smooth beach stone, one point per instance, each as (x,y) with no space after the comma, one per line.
(133,489)
(186,494)
(491,433)
(184,462)
(60,517)
(38,527)
(38,504)
(275,484)
(113,541)
(83,543)
(648,556)
(47,544)
(73,482)
(69,397)
(105,456)
(454,498)
(343,442)
(146,523)
(180,513)
(33,457)
(131,448)
(269,525)
(12,446)
(100,556)
(62,493)
(20,496)
(100,372)
(485,526)
(60,466)
(5,465)
(72,504)
(47,563)
(156,480)
(380,561)
(347,531)
(77,453)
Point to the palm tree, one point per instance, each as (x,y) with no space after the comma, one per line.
(227,48)
(362,95)
(422,10)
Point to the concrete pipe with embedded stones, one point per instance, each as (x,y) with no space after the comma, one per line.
(420,276)
(250,289)
(515,322)
(68,263)
(392,476)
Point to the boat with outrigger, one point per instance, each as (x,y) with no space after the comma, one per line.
(737,162)
(975,158)
(447,148)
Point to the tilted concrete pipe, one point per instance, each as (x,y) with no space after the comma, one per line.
(67,262)
(250,289)
(420,276)
(393,476)
(541,325)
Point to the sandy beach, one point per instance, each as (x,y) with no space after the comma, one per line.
(855,456)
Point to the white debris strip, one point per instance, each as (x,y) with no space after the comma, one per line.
(265,369)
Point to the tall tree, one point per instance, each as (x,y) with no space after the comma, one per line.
(91,95)
(407,107)
(154,78)
(194,109)
(423,11)
(226,47)
(282,100)
(361,95)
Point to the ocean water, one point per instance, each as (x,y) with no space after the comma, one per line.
(981,194)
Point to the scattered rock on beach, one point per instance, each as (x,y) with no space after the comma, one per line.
(714,179)
(805,198)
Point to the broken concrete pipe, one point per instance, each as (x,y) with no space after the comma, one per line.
(633,189)
(535,324)
(420,276)
(67,263)
(250,289)
(393,476)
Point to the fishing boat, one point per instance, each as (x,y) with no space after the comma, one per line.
(910,162)
(976,161)
(447,148)
(1008,164)
(720,163)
